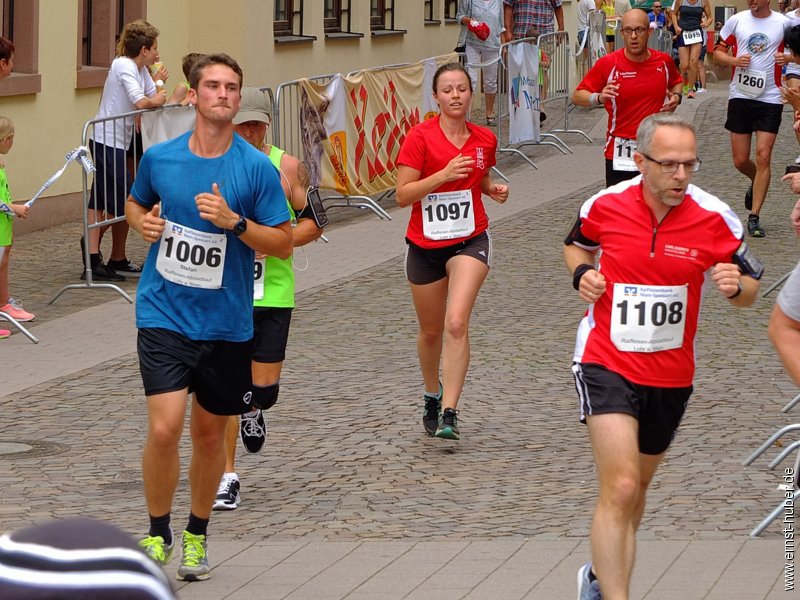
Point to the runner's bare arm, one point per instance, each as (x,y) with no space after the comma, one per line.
(273,241)
(722,57)
(592,283)
(410,188)
(740,290)
(147,222)
(785,335)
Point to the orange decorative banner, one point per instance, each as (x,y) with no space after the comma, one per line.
(352,127)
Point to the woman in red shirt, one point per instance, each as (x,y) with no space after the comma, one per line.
(443,167)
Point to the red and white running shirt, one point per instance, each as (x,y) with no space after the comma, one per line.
(648,266)
(428,150)
(642,90)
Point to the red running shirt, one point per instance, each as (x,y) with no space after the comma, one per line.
(427,150)
(642,90)
(694,236)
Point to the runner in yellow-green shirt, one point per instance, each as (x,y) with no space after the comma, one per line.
(273,297)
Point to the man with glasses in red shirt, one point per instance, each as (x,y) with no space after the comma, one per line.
(632,83)
(658,239)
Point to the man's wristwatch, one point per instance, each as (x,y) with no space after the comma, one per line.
(240,227)
(679,95)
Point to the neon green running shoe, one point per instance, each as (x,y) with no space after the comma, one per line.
(194,564)
(156,549)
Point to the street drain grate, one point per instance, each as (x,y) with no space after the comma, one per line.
(29,449)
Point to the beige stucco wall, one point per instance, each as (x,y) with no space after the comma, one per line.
(49,123)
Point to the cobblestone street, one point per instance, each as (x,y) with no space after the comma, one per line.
(346,458)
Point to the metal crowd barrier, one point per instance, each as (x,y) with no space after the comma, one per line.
(22,329)
(287,134)
(503,118)
(557,88)
(789,500)
(110,125)
(102,203)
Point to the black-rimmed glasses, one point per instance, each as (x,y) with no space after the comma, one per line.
(671,166)
(637,30)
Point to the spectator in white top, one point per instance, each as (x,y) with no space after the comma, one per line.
(129,86)
(484,22)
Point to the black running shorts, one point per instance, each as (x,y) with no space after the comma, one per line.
(217,371)
(425,266)
(658,410)
(271,333)
(112,182)
(613,177)
(747,116)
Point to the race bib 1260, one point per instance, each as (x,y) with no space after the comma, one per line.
(648,318)
(191,257)
(751,83)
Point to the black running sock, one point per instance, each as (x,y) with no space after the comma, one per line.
(159,526)
(197,526)
(95,259)
(592,576)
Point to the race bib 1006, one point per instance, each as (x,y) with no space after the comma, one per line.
(191,257)
(448,215)
(648,318)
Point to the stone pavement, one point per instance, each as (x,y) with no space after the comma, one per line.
(350,499)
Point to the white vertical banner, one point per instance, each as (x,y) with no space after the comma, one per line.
(523,94)
(429,107)
(167,123)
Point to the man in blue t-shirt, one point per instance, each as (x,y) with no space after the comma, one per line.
(657,18)
(204,201)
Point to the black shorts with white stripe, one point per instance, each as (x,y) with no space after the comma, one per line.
(658,409)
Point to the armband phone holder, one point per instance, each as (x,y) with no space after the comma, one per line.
(317,208)
(747,262)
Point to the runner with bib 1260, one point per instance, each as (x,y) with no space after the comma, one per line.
(755,39)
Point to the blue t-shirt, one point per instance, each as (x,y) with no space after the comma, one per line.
(660,20)
(172,174)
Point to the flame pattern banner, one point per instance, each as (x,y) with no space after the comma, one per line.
(352,127)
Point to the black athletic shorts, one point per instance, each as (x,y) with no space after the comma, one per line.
(747,116)
(271,333)
(111,183)
(659,410)
(217,371)
(614,177)
(135,148)
(425,266)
